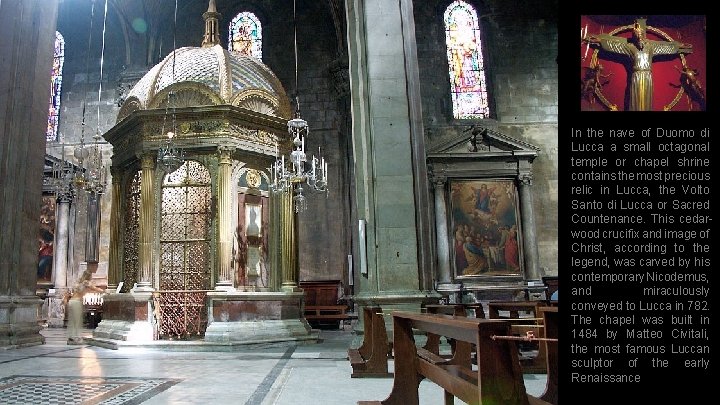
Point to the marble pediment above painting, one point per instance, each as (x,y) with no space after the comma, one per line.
(478,141)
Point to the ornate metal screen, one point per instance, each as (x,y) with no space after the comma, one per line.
(132,232)
(179,314)
(184,251)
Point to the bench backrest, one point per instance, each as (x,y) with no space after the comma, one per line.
(498,378)
(318,293)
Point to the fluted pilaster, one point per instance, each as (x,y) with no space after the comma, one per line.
(224,195)
(288,243)
(147,220)
(114,256)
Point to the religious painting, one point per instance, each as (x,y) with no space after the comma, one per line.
(46,240)
(651,63)
(486,237)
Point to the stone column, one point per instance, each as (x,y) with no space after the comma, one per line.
(27,38)
(114,256)
(147,222)
(445,282)
(529,238)
(288,242)
(92,234)
(391,187)
(56,309)
(60,253)
(224,194)
(443,252)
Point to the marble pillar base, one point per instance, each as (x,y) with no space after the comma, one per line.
(126,317)
(234,318)
(19,322)
(56,311)
(451,291)
(257,317)
(266,331)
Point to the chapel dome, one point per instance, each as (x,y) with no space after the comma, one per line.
(209,75)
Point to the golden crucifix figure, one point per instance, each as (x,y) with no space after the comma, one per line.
(641,50)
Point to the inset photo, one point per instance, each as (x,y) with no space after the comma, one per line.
(643,63)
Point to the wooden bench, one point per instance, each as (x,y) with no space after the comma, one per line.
(510,311)
(459,309)
(371,358)
(322,303)
(497,380)
(550,319)
(337,312)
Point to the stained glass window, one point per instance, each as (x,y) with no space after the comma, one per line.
(55,87)
(467,70)
(246,35)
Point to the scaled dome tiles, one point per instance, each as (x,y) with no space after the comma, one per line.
(209,76)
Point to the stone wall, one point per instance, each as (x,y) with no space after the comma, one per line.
(520,54)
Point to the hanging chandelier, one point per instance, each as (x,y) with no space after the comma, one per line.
(170,157)
(90,174)
(293,176)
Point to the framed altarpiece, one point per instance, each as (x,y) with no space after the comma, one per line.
(484,227)
(483,207)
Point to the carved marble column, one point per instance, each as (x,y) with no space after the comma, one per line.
(114,256)
(441,231)
(288,242)
(224,194)
(147,222)
(56,309)
(60,253)
(527,217)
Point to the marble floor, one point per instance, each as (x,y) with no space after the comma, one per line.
(58,373)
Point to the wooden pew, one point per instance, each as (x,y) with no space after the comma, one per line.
(497,380)
(322,305)
(521,325)
(459,309)
(550,320)
(371,358)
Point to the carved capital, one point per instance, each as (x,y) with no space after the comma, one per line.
(525,179)
(224,152)
(439,181)
(65,195)
(147,161)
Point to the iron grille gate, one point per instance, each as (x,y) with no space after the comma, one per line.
(180,314)
(185,261)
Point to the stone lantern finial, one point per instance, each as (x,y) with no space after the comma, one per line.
(212,31)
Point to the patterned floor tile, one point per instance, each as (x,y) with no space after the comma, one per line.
(22,389)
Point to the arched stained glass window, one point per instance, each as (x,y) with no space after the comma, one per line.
(55,88)
(246,35)
(467,70)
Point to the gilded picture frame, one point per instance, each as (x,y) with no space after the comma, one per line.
(485,233)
